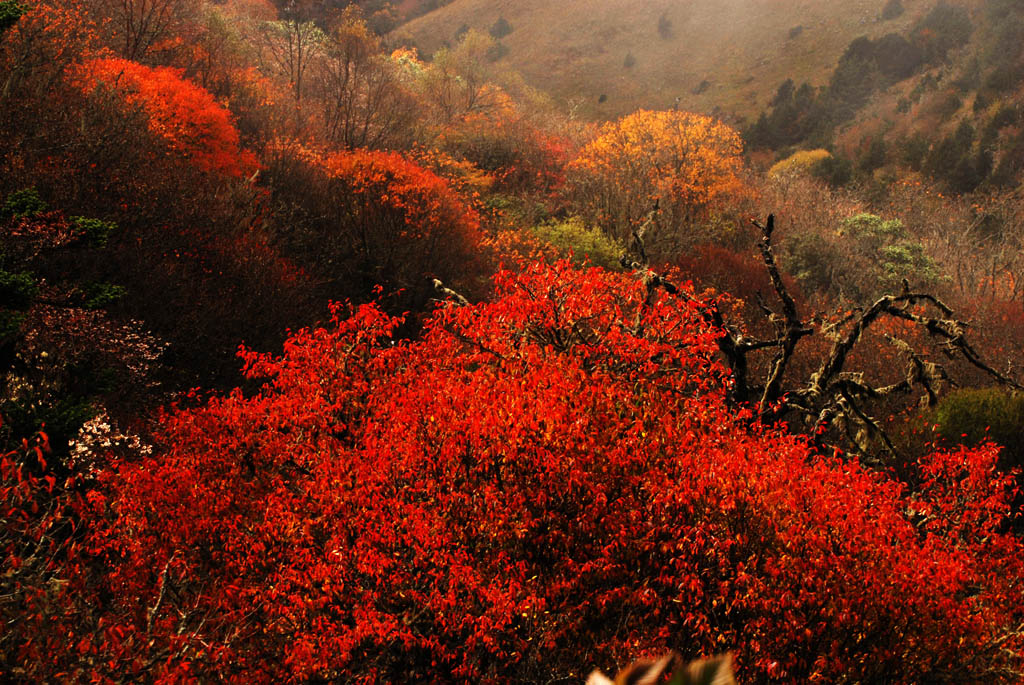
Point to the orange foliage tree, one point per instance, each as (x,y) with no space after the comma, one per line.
(37,49)
(365,218)
(689,162)
(186,116)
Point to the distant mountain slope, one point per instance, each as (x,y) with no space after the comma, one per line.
(714,55)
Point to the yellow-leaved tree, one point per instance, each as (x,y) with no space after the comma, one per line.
(688,162)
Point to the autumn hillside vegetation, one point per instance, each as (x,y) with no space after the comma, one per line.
(322,360)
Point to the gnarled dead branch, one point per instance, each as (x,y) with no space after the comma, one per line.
(832,398)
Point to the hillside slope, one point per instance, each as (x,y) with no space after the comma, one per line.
(715,55)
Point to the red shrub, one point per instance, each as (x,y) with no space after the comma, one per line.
(743,276)
(533,489)
(40,540)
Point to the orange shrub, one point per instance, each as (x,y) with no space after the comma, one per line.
(365,218)
(521,156)
(183,114)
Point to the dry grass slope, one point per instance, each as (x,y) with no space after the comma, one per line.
(724,54)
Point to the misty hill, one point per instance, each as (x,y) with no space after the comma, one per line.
(727,56)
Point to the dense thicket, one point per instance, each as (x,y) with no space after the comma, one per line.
(462,475)
(548,480)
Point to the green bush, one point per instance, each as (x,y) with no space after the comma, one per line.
(835,171)
(914,150)
(906,259)
(896,57)
(23,203)
(890,252)
(875,156)
(871,231)
(10,13)
(943,29)
(10,324)
(500,28)
(62,418)
(496,52)
(892,9)
(867,257)
(17,290)
(811,260)
(572,235)
(970,417)
(99,295)
(96,232)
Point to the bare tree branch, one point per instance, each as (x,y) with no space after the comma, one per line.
(449,293)
(831,396)
(164,584)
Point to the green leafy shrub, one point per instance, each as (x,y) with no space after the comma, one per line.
(970,417)
(914,150)
(496,52)
(871,231)
(17,289)
(62,418)
(100,295)
(811,260)
(835,171)
(906,259)
(890,254)
(896,57)
(797,115)
(10,324)
(855,79)
(10,13)
(23,203)
(96,232)
(875,156)
(867,257)
(958,162)
(572,235)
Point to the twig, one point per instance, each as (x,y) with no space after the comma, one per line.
(164,581)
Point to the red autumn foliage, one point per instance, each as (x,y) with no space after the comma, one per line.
(742,276)
(365,218)
(40,46)
(186,116)
(542,484)
(40,540)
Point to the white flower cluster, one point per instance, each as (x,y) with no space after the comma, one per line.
(99,439)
